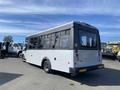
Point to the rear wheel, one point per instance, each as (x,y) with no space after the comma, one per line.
(73,74)
(19,54)
(47,66)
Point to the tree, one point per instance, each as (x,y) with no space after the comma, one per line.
(7,41)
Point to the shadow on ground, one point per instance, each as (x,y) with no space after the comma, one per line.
(103,77)
(106,77)
(112,58)
(6,77)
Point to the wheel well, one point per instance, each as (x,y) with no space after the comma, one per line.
(45,59)
(19,52)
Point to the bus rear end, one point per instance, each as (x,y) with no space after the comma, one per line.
(87,50)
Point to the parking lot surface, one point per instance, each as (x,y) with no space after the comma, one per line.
(18,75)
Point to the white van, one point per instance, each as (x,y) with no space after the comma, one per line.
(15,49)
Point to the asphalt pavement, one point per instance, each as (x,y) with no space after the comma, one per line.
(18,75)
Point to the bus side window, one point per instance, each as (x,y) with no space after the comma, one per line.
(40,44)
(30,43)
(47,42)
(52,40)
(57,40)
(33,43)
(65,39)
(64,42)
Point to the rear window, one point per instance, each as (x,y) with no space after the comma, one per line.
(87,39)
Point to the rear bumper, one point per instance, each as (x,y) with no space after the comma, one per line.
(85,69)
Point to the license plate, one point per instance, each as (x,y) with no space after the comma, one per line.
(83,70)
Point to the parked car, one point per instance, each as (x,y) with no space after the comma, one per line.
(15,50)
(2,51)
(118,56)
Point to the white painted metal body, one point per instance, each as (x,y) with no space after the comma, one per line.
(62,60)
(69,59)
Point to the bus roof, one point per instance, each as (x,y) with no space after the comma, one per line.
(62,27)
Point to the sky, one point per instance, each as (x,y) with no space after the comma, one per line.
(20,18)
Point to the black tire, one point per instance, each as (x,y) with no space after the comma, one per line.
(19,54)
(47,66)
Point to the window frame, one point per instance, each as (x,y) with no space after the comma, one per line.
(52,36)
(77,41)
(88,35)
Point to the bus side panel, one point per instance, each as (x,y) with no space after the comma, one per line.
(61,60)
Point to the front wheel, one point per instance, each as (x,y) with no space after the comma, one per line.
(47,66)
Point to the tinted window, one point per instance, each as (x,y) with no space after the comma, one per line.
(64,42)
(52,39)
(56,40)
(65,39)
(47,41)
(87,39)
(33,43)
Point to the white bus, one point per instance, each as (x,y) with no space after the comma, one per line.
(72,48)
